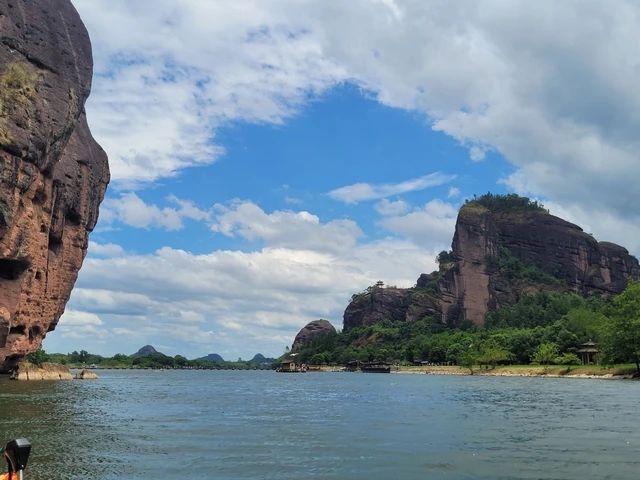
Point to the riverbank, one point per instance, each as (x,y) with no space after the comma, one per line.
(577,371)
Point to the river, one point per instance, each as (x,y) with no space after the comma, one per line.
(264,425)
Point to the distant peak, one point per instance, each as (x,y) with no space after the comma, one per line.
(145,351)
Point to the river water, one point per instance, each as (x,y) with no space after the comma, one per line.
(264,425)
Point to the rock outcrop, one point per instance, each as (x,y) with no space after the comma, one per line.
(45,371)
(499,254)
(378,304)
(53,175)
(85,374)
(312,331)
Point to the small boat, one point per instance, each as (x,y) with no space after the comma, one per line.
(375,367)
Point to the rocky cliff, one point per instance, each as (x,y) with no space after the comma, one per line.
(53,175)
(312,331)
(503,248)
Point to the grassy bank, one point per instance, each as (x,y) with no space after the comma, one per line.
(589,371)
(581,371)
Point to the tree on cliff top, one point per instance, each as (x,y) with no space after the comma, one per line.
(510,202)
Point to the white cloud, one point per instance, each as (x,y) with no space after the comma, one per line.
(431,226)
(105,249)
(550,85)
(229,301)
(359,192)
(167,75)
(284,228)
(131,210)
(216,302)
(75,318)
(391,207)
(453,192)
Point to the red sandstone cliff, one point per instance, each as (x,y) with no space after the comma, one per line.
(311,332)
(53,175)
(500,254)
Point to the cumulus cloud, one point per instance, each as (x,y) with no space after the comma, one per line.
(453,192)
(359,192)
(131,210)
(552,86)
(76,318)
(284,228)
(387,207)
(431,225)
(221,300)
(233,301)
(105,249)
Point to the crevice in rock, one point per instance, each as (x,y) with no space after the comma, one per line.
(12,268)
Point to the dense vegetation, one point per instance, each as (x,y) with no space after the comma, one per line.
(506,203)
(544,328)
(515,269)
(155,360)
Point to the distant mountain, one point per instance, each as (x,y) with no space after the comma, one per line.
(259,358)
(145,351)
(212,357)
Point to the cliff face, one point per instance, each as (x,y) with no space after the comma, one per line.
(312,331)
(498,256)
(53,175)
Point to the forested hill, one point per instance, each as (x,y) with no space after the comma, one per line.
(516,279)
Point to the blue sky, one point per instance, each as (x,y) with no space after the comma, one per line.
(269,159)
(342,137)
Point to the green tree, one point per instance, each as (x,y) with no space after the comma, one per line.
(38,357)
(567,359)
(622,335)
(468,360)
(545,353)
(492,354)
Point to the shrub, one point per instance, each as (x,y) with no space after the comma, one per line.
(507,203)
(567,359)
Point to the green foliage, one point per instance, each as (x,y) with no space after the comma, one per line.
(567,359)
(506,203)
(515,269)
(493,354)
(445,257)
(38,357)
(545,354)
(519,333)
(153,361)
(621,337)
(17,86)
(468,360)
(540,309)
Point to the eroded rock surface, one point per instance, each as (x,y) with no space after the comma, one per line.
(53,175)
(557,255)
(312,331)
(45,371)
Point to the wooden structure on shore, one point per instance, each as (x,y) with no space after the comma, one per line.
(290,366)
(375,367)
(588,353)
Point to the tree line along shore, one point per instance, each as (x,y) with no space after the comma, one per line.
(543,334)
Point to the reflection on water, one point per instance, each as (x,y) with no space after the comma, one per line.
(262,425)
